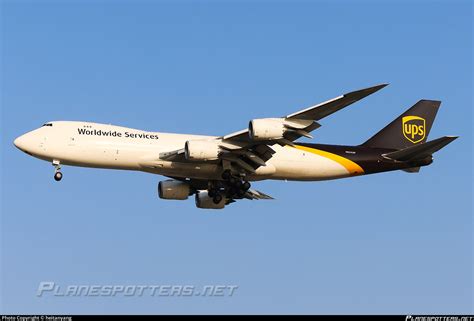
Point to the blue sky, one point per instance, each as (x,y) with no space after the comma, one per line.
(387,243)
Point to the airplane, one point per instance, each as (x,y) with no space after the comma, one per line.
(218,170)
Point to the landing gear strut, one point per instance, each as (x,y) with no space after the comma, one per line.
(226,175)
(57,171)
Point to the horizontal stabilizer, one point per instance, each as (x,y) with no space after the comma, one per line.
(420,151)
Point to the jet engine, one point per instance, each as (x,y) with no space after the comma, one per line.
(267,129)
(201,150)
(174,190)
(203,200)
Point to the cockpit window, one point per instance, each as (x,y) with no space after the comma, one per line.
(48,124)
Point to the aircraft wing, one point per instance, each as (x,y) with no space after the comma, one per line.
(307,117)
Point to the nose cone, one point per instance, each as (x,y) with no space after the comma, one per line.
(26,143)
(21,142)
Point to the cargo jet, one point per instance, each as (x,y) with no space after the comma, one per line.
(218,169)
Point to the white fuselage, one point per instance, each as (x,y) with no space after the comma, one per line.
(106,146)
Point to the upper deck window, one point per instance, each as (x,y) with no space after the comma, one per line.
(48,124)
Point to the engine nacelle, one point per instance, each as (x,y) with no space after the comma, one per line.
(173,190)
(204,201)
(201,150)
(267,129)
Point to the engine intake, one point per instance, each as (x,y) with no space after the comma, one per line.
(203,200)
(201,150)
(267,129)
(173,190)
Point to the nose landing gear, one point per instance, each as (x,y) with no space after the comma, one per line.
(57,171)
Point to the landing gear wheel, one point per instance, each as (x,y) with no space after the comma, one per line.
(226,175)
(233,190)
(217,198)
(246,186)
(212,192)
(58,176)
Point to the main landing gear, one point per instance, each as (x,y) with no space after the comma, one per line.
(57,171)
(231,187)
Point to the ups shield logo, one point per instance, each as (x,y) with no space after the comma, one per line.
(414,128)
